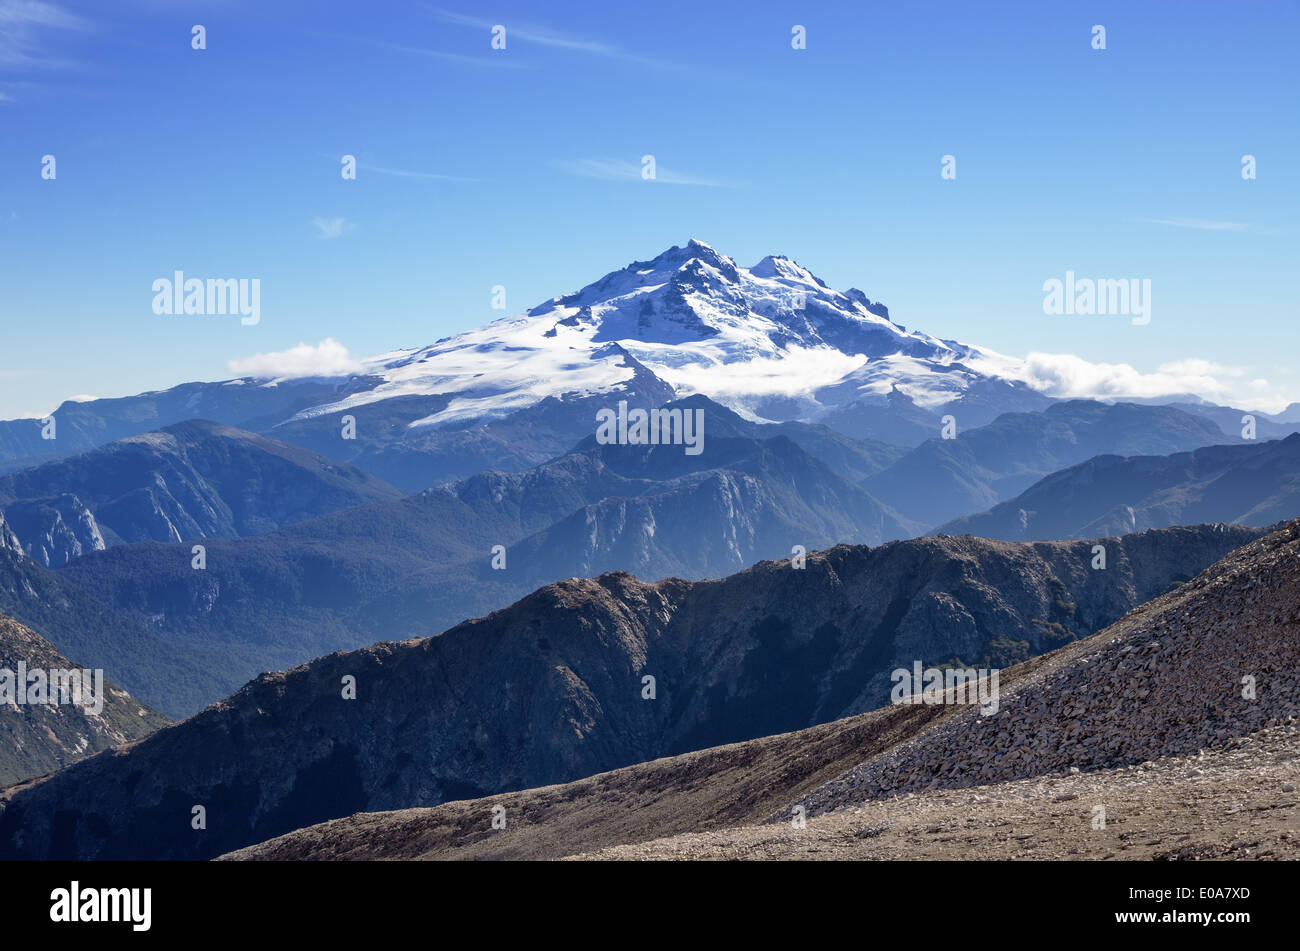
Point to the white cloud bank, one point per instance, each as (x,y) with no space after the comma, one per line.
(1069,377)
(1059,375)
(327,358)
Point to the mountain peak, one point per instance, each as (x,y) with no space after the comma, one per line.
(693,250)
(780,267)
(760,339)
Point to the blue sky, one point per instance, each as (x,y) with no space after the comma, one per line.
(521,168)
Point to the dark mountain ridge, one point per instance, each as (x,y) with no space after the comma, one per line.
(771,649)
(1249,484)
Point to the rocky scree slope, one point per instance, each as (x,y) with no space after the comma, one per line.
(1213,661)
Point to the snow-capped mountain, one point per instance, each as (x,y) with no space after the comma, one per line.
(771,341)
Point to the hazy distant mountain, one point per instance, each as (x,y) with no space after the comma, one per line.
(414,566)
(37,738)
(1290,415)
(82,425)
(1229,420)
(772,342)
(945,478)
(190,481)
(1250,484)
(772,649)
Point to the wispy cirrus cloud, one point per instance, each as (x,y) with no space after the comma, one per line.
(394,172)
(623,170)
(23,24)
(545,36)
(491,62)
(407,173)
(1198,224)
(14,91)
(332,227)
(529,33)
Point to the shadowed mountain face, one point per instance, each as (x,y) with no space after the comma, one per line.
(177,676)
(418,565)
(943,479)
(772,649)
(1251,484)
(191,481)
(53,531)
(38,738)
